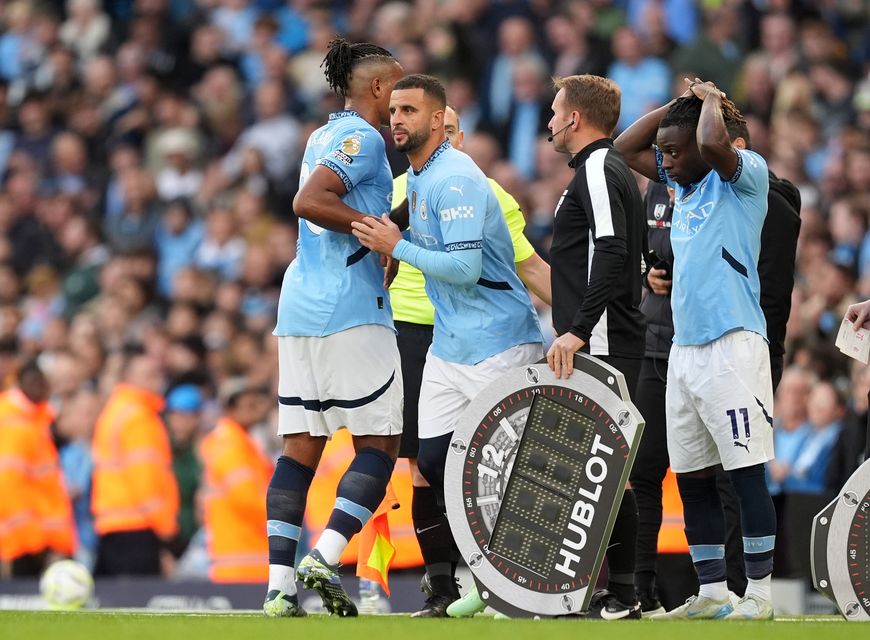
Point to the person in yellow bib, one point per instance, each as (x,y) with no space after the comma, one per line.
(414,316)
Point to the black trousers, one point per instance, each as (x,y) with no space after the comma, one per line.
(628,367)
(651,465)
(127,553)
(413,341)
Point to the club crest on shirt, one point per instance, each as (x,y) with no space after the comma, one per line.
(659,211)
(423,215)
(351,145)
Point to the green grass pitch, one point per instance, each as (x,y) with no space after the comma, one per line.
(104,625)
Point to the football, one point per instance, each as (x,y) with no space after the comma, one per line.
(66,585)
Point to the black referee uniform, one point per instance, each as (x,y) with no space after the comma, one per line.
(596,267)
(595,259)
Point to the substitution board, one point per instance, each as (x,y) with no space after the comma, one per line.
(533,480)
(841,547)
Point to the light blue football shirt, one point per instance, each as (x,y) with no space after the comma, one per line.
(716,239)
(335,283)
(460,241)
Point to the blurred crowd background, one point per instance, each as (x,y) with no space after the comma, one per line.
(149,153)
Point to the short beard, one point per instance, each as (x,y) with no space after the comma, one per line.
(413,142)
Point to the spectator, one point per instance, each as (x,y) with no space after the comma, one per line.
(714,53)
(236,476)
(179,177)
(825,413)
(36,522)
(36,134)
(529,113)
(184,421)
(275,133)
(75,425)
(135,227)
(790,427)
(86,28)
(221,250)
(516,39)
(135,495)
(644,80)
(178,239)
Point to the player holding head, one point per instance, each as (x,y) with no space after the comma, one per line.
(338,364)
(484,321)
(719,397)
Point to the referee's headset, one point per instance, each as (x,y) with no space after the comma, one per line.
(555,133)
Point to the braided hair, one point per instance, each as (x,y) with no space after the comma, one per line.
(686,112)
(343,56)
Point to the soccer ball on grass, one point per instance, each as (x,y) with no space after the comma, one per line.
(66,585)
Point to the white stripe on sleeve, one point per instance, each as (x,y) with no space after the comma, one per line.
(597,185)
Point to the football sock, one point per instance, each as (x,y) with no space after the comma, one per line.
(705,529)
(360,492)
(622,549)
(758,519)
(433,532)
(758,587)
(430,460)
(715,590)
(285,508)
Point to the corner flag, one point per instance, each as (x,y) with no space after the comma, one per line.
(376,550)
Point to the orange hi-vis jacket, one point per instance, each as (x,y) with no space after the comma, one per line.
(134,487)
(35,510)
(236,477)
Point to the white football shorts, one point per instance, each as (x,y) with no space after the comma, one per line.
(448,387)
(719,403)
(350,379)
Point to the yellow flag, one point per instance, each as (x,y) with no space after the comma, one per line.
(376,550)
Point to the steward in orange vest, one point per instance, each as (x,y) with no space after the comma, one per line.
(35,510)
(135,496)
(236,478)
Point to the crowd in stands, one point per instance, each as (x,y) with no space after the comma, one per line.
(149,152)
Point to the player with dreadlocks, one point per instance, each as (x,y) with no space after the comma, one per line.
(338,364)
(719,397)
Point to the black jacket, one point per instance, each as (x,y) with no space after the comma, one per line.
(779,238)
(595,257)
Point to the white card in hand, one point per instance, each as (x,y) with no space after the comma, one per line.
(855,344)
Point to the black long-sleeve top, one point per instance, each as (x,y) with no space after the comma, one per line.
(595,258)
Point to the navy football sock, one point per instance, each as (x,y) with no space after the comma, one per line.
(285,508)
(705,526)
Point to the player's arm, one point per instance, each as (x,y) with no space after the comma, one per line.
(608,224)
(535,274)
(531,268)
(352,159)
(461,213)
(319,201)
(712,137)
(636,144)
